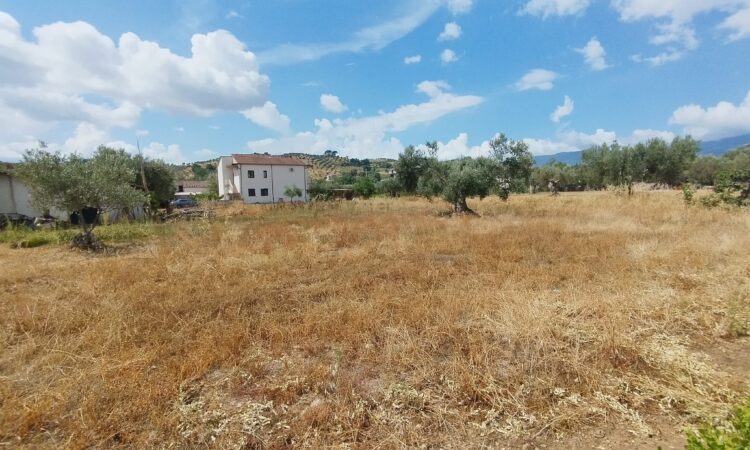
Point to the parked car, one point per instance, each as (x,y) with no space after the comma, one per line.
(185,202)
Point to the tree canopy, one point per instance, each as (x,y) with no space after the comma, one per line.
(72,183)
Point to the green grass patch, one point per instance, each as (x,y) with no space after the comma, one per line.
(22,237)
(734,435)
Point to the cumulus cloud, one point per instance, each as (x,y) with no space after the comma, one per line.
(714,122)
(594,54)
(70,74)
(372,135)
(647,135)
(563,110)
(268,116)
(416,59)
(540,79)
(452,31)
(448,56)
(547,8)
(332,103)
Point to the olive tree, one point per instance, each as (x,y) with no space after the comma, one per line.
(292,192)
(83,186)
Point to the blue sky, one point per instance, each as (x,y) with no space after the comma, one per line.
(195,79)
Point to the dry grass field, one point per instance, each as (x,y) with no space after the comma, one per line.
(380,324)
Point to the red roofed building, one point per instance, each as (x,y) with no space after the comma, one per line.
(261,178)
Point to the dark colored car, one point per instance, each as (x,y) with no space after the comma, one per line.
(185,202)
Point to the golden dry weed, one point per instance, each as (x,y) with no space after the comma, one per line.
(377,324)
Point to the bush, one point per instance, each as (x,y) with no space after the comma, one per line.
(734,436)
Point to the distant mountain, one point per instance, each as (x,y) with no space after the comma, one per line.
(569,158)
(716,148)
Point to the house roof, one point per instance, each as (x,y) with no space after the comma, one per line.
(269,160)
(187,184)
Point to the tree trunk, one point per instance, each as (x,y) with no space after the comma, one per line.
(461,207)
(86,240)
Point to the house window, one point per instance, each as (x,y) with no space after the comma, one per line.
(251,174)
(265,174)
(291,169)
(264,192)
(251,192)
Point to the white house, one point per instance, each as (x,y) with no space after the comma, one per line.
(261,178)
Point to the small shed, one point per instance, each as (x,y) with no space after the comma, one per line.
(191,187)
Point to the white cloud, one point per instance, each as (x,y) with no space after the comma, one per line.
(661,58)
(371,135)
(233,15)
(714,122)
(332,103)
(70,73)
(647,135)
(676,30)
(416,59)
(206,153)
(452,31)
(594,54)
(376,37)
(268,116)
(540,79)
(548,147)
(460,6)
(86,139)
(448,56)
(142,133)
(547,8)
(738,24)
(563,110)
(574,140)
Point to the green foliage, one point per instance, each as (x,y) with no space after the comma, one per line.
(320,189)
(508,170)
(568,178)
(514,162)
(688,194)
(733,188)
(456,180)
(292,192)
(159,180)
(201,172)
(655,161)
(364,186)
(705,170)
(734,436)
(410,166)
(71,183)
(389,186)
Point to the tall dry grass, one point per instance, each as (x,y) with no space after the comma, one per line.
(377,324)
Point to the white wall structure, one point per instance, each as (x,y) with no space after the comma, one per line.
(15,197)
(261,178)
